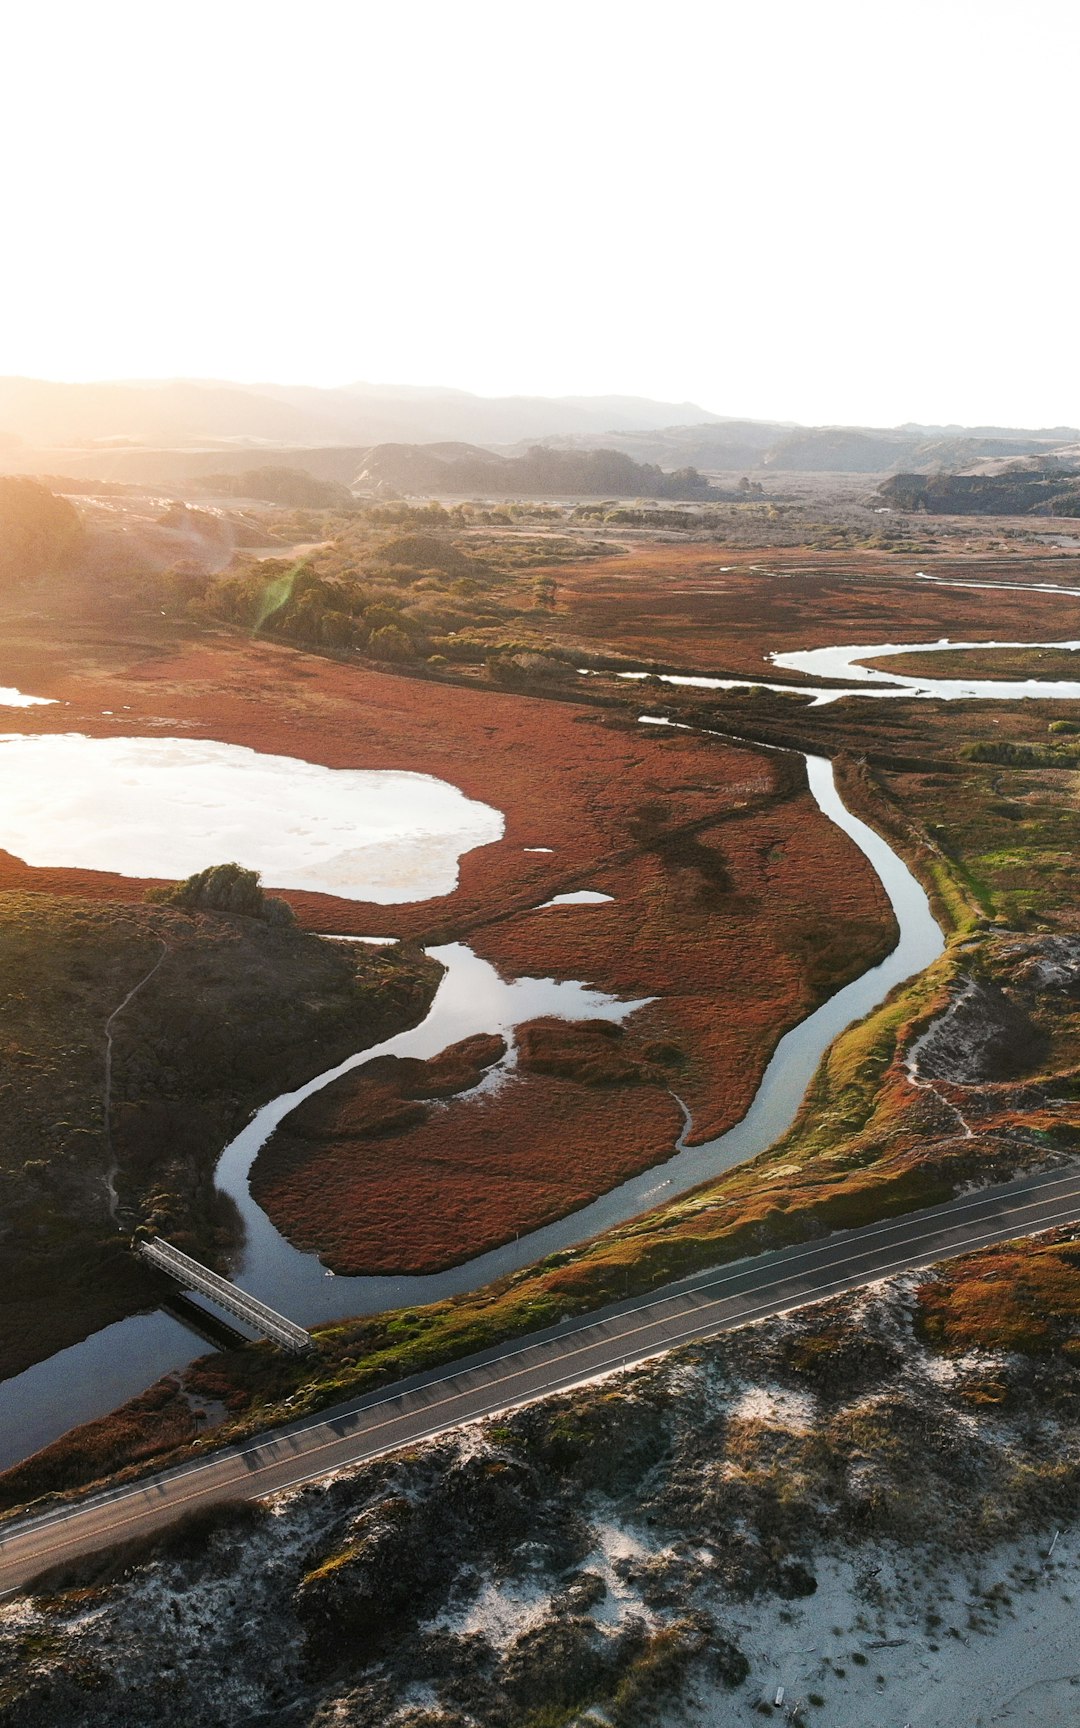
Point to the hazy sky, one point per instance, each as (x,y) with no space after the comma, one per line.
(857,212)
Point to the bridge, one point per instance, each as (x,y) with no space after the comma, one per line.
(249,1309)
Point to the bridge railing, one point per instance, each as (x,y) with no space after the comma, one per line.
(195,1276)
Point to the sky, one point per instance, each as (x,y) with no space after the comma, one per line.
(832,212)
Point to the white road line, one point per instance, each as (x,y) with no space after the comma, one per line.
(739,1269)
(1003,1232)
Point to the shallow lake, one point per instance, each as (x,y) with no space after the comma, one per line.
(166,807)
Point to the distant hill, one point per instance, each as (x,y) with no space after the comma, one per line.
(839,450)
(194,414)
(740,446)
(323,477)
(1025,491)
(168,431)
(729,445)
(450,470)
(996,434)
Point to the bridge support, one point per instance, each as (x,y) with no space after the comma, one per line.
(254,1313)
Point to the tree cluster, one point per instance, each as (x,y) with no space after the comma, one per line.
(224,888)
(1042,491)
(449,470)
(39,533)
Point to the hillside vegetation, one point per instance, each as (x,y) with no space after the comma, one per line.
(1046,491)
(399,596)
(275,485)
(238,1010)
(39,532)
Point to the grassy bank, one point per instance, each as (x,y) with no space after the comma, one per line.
(992,663)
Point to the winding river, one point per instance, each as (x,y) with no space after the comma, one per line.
(118,1362)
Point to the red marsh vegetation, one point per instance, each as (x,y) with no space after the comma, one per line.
(1017,1296)
(714,609)
(378,1178)
(735,903)
(729,928)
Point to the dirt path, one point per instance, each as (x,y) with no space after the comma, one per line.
(110,1174)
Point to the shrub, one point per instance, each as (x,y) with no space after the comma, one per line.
(390,643)
(224,888)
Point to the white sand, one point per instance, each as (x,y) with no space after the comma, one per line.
(1017,1666)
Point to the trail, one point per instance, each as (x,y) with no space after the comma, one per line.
(925,1083)
(110,1174)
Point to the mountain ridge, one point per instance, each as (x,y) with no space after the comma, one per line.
(168,412)
(160,430)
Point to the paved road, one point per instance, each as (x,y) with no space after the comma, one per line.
(700,1307)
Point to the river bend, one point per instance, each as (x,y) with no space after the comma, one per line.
(118,1362)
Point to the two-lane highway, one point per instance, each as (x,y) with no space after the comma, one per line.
(700,1307)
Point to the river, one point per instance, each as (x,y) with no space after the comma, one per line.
(92,1377)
